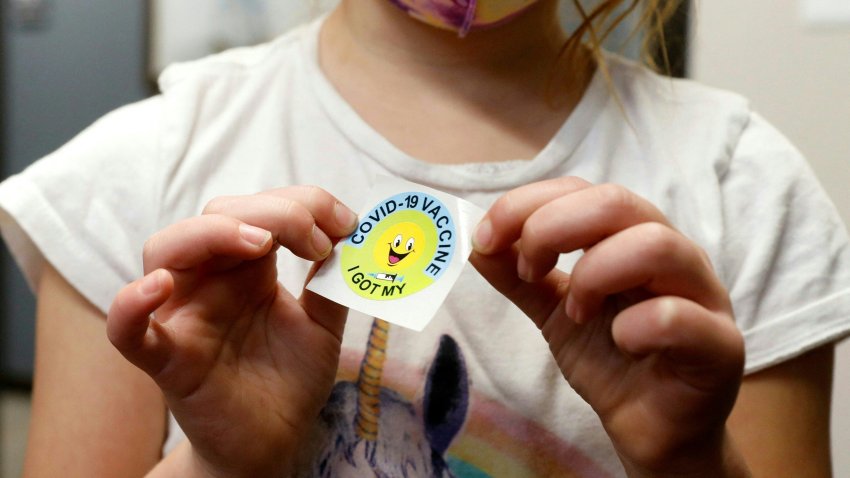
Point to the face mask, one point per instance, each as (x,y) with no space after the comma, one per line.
(463,15)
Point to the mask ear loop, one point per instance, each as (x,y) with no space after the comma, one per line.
(467,19)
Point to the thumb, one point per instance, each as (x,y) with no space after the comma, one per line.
(538,300)
(325,312)
(129,326)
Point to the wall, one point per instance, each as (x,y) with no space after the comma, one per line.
(79,60)
(798,76)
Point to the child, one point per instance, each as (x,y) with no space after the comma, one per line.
(651,230)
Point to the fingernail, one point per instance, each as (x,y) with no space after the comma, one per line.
(345,218)
(570,308)
(321,243)
(254,235)
(573,311)
(482,236)
(666,313)
(152,283)
(523,269)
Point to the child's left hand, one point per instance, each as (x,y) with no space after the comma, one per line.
(642,328)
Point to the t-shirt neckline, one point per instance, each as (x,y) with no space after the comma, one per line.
(460,177)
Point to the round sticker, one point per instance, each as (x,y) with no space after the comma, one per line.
(402,246)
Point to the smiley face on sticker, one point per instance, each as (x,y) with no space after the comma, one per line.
(403,245)
(399,245)
(405,255)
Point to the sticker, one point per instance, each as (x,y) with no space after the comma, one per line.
(407,252)
(400,247)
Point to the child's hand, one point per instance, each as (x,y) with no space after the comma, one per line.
(245,367)
(642,328)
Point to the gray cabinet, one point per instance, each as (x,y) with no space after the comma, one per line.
(64,64)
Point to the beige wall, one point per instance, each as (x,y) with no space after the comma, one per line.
(798,76)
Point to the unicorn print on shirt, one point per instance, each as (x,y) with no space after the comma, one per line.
(366,429)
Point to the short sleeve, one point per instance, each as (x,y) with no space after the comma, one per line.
(787,259)
(88,207)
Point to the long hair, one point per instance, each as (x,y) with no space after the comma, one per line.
(583,47)
(597,23)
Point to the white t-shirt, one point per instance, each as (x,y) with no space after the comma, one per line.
(264,117)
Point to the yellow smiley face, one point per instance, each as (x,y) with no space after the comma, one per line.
(399,245)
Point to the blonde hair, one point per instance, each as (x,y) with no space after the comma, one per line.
(597,23)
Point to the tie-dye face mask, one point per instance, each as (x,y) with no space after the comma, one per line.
(463,15)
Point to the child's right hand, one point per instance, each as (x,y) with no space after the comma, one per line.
(245,367)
